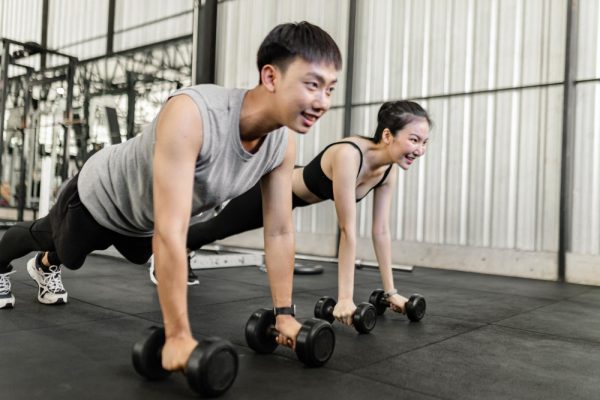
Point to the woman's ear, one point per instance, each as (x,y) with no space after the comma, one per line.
(387,136)
(268,76)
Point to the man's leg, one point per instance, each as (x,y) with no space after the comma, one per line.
(18,241)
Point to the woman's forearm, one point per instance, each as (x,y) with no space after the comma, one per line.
(346,264)
(383,251)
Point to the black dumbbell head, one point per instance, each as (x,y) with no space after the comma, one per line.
(324,308)
(146,355)
(258,330)
(415,307)
(378,301)
(212,367)
(315,342)
(364,318)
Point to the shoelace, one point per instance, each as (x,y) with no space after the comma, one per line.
(5,282)
(52,280)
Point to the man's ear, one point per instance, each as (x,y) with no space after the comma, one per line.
(268,76)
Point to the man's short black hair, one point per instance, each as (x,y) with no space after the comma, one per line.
(304,40)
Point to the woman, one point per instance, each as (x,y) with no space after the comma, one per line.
(345,171)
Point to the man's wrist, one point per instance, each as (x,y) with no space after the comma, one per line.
(289,310)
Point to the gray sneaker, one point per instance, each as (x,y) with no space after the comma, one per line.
(7,300)
(50,286)
(192,277)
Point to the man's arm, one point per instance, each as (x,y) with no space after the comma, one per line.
(178,143)
(279,239)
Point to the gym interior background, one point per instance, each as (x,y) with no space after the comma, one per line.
(511,181)
(510,186)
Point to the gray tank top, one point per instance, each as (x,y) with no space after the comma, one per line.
(115,184)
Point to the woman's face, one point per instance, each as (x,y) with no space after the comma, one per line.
(409,143)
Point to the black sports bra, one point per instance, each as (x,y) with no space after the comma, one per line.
(320,185)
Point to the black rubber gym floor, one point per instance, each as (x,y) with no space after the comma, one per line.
(484,337)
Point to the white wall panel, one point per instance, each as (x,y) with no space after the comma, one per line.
(588,33)
(77,28)
(141,22)
(20,20)
(490,178)
(586,191)
(243,24)
(584,256)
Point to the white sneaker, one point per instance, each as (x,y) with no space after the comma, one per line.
(192,277)
(7,300)
(50,286)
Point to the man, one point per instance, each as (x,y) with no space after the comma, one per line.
(207,145)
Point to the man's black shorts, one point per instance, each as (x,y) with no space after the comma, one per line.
(76,233)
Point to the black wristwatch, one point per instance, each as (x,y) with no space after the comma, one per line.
(285,310)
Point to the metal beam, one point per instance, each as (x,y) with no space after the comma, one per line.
(568,138)
(44,38)
(68,116)
(23,162)
(131,96)
(110,30)
(349,69)
(4,62)
(204,42)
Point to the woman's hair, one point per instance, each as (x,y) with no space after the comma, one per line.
(395,115)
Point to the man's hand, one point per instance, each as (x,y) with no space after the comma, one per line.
(288,329)
(177,351)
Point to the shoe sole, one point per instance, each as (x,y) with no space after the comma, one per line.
(10,303)
(32,271)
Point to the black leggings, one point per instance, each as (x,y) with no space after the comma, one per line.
(69,233)
(241,214)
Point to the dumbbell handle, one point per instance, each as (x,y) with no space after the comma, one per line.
(384,300)
(329,310)
(272,332)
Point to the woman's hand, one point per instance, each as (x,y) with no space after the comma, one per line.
(344,310)
(397,303)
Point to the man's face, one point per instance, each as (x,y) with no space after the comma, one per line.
(304,93)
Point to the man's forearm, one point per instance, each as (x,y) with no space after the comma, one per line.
(170,263)
(279,258)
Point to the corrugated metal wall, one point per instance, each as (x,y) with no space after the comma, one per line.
(140,22)
(491,73)
(21,20)
(584,258)
(79,27)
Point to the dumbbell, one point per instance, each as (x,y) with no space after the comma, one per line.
(211,368)
(314,344)
(363,319)
(415,306)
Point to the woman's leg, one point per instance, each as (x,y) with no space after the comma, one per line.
(241,214)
